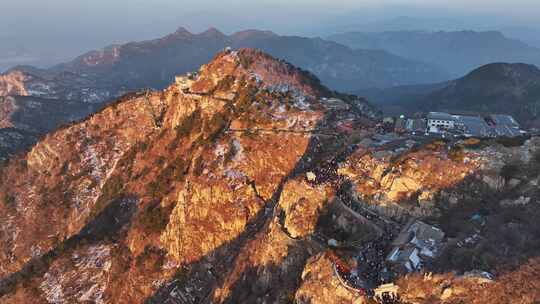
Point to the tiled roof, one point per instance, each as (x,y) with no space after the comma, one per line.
(440,116)
(506,120)
(474,125)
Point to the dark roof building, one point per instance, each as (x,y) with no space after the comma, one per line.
(473,126)
(495,125)
(406,259)
(504,125)
(417,242)
(506,131)
(504,120)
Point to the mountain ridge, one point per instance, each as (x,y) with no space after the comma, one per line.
(500,88)
(283,46)
(457,52)
(98,77)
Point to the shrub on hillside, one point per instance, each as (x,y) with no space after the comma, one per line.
(225,84)
(174,171)
(189,124)
(155,218)
(436,145)
(111,190)
(9,200)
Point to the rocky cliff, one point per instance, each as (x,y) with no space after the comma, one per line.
(162,184)
(226,187)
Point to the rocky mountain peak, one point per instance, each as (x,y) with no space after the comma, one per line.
(182,31)
(171,178)
(500,72)
(258,68)
(213,33)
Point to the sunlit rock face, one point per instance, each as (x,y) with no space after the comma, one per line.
(215,190)
(388,180)
(200,169)
(13,84)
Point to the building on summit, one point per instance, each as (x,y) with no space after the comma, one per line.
(438,122)
(494,125)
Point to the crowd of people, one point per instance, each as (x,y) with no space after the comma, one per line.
(351,279)
(371,270)
(371,261)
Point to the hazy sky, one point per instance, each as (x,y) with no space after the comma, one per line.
(69,26)
(142,17)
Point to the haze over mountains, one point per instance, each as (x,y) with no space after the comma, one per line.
(527,34)
(456,52)
(154,63)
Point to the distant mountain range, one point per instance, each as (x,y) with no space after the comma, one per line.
(527,34)
(456,52)
(155,63)
(87,82)
(495,88)
(406,23)
(39,100)
(72,90)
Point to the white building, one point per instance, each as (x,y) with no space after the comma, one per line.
(438,122)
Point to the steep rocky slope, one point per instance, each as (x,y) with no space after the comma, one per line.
(201,193)
(157,184)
